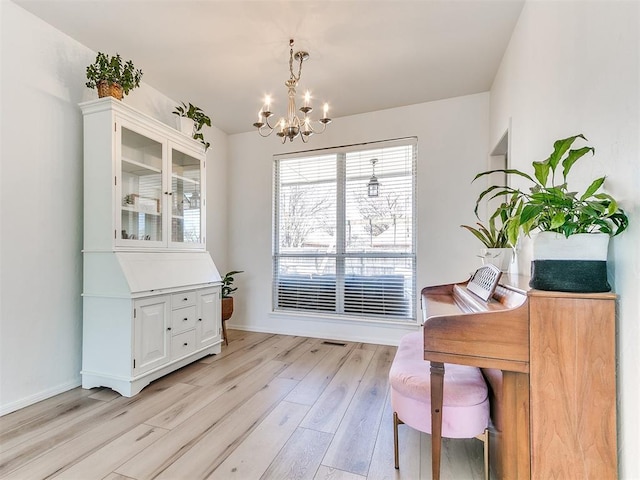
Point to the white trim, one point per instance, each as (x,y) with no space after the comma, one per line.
(38,397)
(338,318)
(393,142)
(391,335)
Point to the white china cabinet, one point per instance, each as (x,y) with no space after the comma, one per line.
(151,292)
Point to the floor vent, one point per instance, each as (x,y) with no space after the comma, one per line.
(335,344)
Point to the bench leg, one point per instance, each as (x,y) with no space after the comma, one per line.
(396,422)
(437,385)
(484,437)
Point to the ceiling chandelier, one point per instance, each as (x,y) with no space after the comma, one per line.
(292,125)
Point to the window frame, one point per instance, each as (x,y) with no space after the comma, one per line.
(341,255)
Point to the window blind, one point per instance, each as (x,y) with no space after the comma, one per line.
(336,249)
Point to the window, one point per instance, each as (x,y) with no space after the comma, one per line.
(338,250)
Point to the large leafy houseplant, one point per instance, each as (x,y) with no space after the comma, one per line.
(570,250)
(495,233)
(200,119)
(112,76)
(494,236)
(549,204)
(227,299)
(227,283)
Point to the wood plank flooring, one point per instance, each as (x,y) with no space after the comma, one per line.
(267,407)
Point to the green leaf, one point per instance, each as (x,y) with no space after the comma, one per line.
(560,147)
(620,220)
(557,220)
(513,228)
(501,190)
(541,170)
(477,234)
(573,156)
(529,213)
(593,188)
(508,171)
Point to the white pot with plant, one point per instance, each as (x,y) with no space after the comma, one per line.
(191,119)
(564,219)
(498,249)
(227,299)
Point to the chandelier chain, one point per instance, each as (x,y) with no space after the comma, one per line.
(294,77)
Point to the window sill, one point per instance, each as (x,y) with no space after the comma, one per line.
(309,316)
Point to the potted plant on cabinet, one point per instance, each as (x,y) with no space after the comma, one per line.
(495,237)
(191,119)
(570,249)
(227,299)
(112,77)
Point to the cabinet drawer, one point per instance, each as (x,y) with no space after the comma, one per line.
(183,299)
(183,344)
(183,319)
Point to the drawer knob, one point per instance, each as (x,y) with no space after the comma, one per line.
(168,328)
(199,319)
(185,344)
(185,299)
(185,319)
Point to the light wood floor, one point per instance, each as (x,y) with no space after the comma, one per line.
(268,407)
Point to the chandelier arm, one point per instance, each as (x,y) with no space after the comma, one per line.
(260,130)
(324,127)
(266,121)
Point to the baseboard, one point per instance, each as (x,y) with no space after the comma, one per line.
(390,337)
(38,397)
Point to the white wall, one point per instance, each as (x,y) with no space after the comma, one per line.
(452,147)
(573,67)
(42,82)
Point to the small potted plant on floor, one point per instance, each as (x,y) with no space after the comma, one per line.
(227,299)
(570,249)
(112,77)
(495,235)
(191,119)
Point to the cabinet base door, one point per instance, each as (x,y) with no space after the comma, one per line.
(150,333)
(209,323)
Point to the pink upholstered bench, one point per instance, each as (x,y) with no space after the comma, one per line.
(465,411)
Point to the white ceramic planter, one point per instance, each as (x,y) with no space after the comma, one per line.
(500,257)
(186,125)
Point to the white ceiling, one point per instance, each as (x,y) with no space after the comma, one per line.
(365,55)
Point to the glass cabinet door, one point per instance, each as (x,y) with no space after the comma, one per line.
(141,189)
(186,199)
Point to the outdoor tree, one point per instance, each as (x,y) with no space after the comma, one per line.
(304,211)
(379,213)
